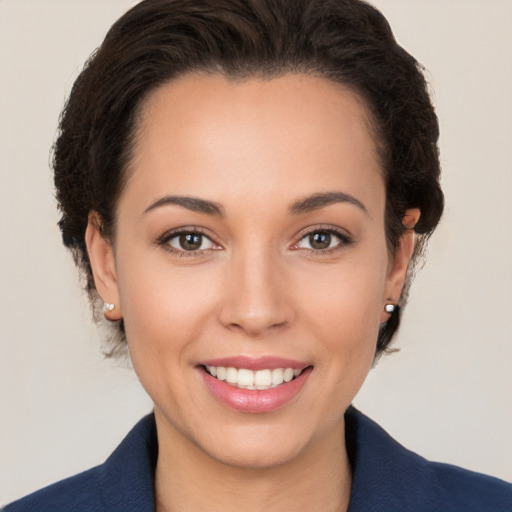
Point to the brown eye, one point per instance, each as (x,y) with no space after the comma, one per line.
(190,241)
(320,240)
(323,239)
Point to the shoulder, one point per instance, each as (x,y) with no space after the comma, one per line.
(123,483)
(80,492)
(389,478)
(460,489)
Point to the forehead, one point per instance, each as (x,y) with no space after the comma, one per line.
(209,135)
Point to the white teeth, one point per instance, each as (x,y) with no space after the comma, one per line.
(263,379)
(245,377)
(249,379)
(277,376)
(288,374)
(232,375)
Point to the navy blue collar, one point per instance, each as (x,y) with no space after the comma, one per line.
(386,476)
(382,469)
(129,472)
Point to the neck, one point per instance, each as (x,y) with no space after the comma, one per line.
(187,479)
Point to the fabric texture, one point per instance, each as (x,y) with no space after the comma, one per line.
(386,478)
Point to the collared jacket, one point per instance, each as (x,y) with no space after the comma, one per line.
(386,478)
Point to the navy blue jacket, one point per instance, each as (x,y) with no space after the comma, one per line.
(386,478)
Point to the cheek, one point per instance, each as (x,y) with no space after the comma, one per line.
(165,311)
(343,309)
(348,296)
(162,305)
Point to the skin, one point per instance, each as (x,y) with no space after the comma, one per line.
(256,287)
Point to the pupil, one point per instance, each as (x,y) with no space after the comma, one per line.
(190,241)
(320,240)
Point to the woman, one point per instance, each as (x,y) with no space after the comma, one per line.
(245,189)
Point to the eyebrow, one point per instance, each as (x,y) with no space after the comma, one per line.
(317,201)
(190,203)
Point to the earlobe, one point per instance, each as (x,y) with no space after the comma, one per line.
(399,263)
(101,256)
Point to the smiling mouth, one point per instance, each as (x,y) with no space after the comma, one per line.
(243,378)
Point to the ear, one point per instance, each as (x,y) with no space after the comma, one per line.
(398,264)
(101,256)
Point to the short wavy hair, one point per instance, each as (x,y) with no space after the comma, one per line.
(348,42)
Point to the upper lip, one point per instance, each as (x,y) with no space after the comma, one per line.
(256,363)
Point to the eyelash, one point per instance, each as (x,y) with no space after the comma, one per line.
(344,240)
(165,239)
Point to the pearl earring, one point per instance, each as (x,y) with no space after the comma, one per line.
(390,308)
(108,307)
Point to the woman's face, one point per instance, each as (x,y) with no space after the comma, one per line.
(250,235)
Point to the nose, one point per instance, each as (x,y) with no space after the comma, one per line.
(257,299)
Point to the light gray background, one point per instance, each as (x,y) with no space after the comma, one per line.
(446,394)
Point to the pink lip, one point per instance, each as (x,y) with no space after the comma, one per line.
(254,401)
(258,363)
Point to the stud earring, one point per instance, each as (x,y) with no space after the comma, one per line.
(390,307)
(108,307)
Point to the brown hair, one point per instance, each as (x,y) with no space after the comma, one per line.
(345,41)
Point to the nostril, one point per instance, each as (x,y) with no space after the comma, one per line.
(255,328)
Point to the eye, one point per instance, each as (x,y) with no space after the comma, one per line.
(322,240)
(190,241)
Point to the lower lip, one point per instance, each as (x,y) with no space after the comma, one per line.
(253,400)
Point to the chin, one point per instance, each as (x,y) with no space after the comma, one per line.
(257,455)
(261,446)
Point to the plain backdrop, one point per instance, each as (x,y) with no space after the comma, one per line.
(446,394)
